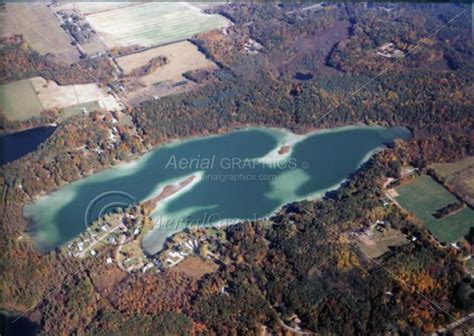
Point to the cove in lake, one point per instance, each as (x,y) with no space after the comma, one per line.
(244,174)
(11,324)
(16,145)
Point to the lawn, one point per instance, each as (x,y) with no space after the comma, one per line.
(423,197)
(73,110)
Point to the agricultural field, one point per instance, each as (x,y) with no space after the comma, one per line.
(39,27)
(18,101)
(150,24)
(24,99)
(181,57)
(53,96)
(89,7)
(423,197)
(162,79)
(459,176)
(137,92)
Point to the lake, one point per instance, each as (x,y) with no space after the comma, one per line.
(11,324)
(244,174)
(16,145)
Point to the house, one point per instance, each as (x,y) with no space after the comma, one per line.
(147,267)
(456,245)
(385,201)
(368,232)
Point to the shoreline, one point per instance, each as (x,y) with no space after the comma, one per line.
(170,143)
(226,222)
(170,190)
(283,137)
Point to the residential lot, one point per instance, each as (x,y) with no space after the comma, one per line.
(39,27)
(424,197)
(378,240)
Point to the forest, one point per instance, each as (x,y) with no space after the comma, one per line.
(299,264)
(18,61)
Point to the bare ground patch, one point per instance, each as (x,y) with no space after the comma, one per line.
(375,247)
(196,267)
(163,79)
(181,58)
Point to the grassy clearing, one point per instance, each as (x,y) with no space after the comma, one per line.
(446,170)
(423,197)
(152,23)
(459,176)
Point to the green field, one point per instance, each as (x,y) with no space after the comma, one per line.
(18,100)
(423,197)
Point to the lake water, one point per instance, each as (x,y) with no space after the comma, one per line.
(11,324)
(239,175)
(14,146)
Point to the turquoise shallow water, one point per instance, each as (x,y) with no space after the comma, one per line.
(232,180)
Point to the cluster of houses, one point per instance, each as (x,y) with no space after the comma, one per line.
(186,247)
(122,231)
(77,27)
(185,244)
(170,257)
(116,230)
